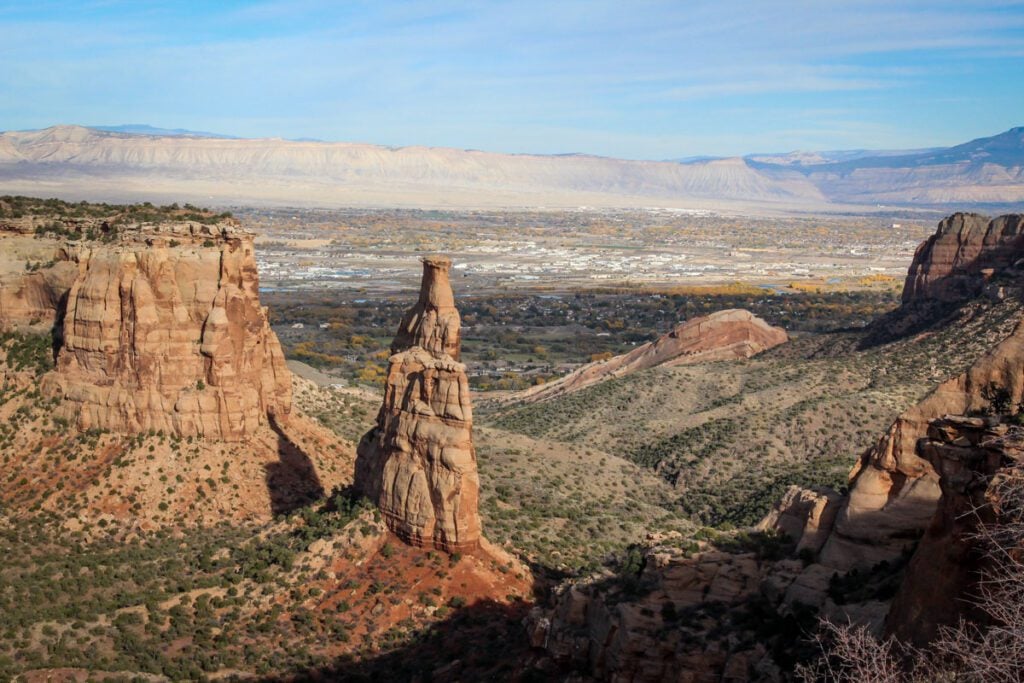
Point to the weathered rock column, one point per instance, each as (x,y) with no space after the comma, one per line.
(418,464)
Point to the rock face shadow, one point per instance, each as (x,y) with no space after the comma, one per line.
(292,481)
(483,641)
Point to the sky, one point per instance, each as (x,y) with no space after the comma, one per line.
(627,78)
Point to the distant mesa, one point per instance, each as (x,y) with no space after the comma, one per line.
(121,163)
(724,335)
(418,464)
(144,129)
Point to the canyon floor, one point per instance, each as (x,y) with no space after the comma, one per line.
(567,485)
(255,560)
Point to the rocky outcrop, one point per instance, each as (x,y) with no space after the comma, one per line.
(35,276)
(973,457)
(32,299)
(165,333)
(894,491)
(962,255)
(418,463)
(433,324)
(805,515)
(678,619)
(724,335)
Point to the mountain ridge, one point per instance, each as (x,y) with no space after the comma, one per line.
(115,165)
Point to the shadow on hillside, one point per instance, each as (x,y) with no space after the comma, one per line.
(485,641)
(962,288)
(57,331)
(292,481)
(910,320)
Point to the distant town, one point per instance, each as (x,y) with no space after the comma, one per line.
(378,251)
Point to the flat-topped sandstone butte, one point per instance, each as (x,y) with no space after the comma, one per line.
(162,330)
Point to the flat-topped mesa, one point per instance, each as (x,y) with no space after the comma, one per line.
(418,464)
(962,255)
(433,323)
(169,335)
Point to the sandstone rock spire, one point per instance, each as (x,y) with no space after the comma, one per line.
(418,463)
(433,323)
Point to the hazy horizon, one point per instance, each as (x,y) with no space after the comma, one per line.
(148,129)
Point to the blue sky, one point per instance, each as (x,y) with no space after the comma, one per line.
(628,78)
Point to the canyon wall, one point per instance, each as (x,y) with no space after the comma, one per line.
(717,615)
(35,276)
(418,463)
(894,491)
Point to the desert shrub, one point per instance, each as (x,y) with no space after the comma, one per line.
(28,351)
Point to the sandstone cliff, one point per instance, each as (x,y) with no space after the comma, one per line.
(166,333)
(894,491)
(804,515)
(35,276)
(965,251)
(724,335)
(708,616)
(418,464)
(973,457)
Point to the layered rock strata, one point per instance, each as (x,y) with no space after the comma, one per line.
(418,463)
(724,335)
(964,253)
(169,335)
(32,299)
(35,276)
